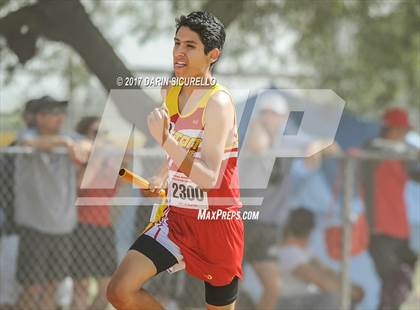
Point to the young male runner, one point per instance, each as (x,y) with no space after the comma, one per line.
(197,129)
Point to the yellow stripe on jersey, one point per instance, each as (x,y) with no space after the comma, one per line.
(158,215)
(172,99)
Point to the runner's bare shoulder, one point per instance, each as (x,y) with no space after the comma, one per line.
(219,104)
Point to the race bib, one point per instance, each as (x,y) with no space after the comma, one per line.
(184,193)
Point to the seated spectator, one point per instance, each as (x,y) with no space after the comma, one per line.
(308,283)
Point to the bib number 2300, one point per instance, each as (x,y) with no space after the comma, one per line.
(189,192)
(186,195)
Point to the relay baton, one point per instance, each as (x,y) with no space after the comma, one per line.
(132,178)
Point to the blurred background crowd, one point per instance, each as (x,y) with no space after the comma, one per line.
(63,230)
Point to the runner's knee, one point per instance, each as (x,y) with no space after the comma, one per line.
(118,293)
(128,279)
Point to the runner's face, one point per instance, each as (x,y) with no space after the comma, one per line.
(189,59)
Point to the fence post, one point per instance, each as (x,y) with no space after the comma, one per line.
(349,167)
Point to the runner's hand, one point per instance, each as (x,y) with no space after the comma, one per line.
(156,183)
(158,123)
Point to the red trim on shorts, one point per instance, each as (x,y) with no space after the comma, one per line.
(156,234)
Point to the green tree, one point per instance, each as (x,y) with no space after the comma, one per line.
(366,51)
(379,63)
(28,27)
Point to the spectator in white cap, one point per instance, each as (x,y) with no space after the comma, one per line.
(273,110)
(265,136)
(262,236)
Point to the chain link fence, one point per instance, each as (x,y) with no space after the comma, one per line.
(46,239)
(55,253)
(42,265)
